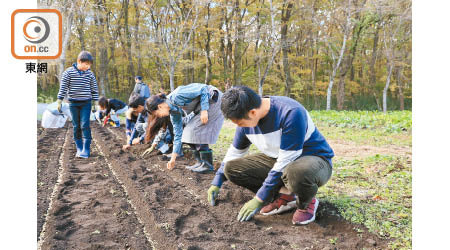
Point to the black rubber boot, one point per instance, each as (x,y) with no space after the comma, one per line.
(207,162)
(197,158)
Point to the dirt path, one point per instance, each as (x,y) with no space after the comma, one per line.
(90,209)
(175,212)
(348,150)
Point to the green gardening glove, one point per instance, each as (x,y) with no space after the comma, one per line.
(58,107)
(213,192)
(249,209)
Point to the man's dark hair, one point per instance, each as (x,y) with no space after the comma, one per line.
(85,56)
(103,102)
(136,100)
(238,101)
(138,78)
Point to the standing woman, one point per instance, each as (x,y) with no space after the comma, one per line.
(203,129)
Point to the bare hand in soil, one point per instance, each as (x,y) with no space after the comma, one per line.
(136,141)
(204,116)
(125,147)
(170,164)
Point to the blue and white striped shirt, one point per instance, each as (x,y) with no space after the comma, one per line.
(285,133)
(78,85)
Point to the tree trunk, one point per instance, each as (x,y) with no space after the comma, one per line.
(335,68)
(285,16)
(103,74)
(372,78)
(65,42)
(127,35)
(208,48)
(386,87)
(80,30)
(401,97)
(239,37)
(274,50)
(136,37)
(171,76)
(348,60)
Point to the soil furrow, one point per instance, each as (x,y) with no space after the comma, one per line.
(90,209)
(178,203)
(49,157)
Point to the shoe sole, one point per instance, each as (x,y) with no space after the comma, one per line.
(289,206)
(192,167)
(312,219)
(202,171)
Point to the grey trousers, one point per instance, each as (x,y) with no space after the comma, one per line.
(141,127)
(302,177)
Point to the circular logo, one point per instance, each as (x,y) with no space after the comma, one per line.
(36,29)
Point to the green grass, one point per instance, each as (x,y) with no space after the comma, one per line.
(391,122)
(366,127)
(375,190)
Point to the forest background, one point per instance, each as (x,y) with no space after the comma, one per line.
(327,54)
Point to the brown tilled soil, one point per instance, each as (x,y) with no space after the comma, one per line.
(49,147)
(168,209)
(90,209)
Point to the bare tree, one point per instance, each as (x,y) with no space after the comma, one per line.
(68,12)
(170,26)
(390,31)
(275,48)
(285,16)
(341,54)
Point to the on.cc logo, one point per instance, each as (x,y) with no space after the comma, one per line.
(36,23)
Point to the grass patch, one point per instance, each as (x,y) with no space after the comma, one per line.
(376,192)
(391,122)
(366,127)
(373,137)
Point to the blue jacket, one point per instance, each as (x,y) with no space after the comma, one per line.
(182,96)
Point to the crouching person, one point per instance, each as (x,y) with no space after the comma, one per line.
(137,135)
(111,108)
(203,129)
(295,158)
(160,133)
(136,106)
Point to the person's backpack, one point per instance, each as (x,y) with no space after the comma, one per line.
(137,88)
(140,87)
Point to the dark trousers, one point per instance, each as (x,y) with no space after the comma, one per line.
(199,147)
(302,177)
(81,113)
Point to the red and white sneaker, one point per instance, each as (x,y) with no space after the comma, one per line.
(303,217)
(283,203)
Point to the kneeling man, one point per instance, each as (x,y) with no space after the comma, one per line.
(295,158)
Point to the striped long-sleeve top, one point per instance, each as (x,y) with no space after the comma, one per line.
(78,85)
(285,133)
